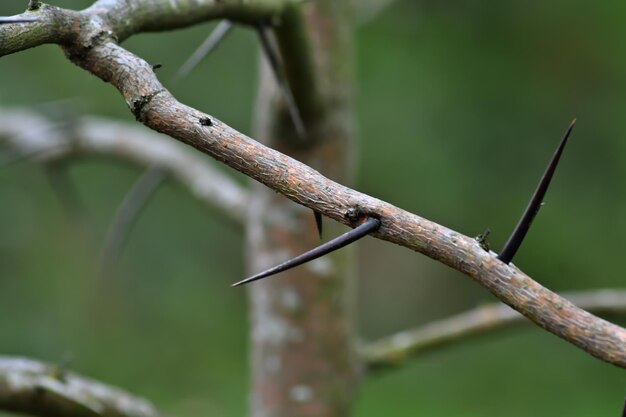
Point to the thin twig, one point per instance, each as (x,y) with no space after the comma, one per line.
(209,45)
(396,349)
(127,214)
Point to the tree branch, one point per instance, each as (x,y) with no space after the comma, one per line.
(23,131)
(398,348)
(121,19)
(36,388)
(94,48)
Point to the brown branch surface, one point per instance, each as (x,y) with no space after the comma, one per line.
(36,388)
(398,348)
(93,47)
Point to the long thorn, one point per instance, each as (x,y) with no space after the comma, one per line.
(208,46)
(516,238)
(8,20)
(318,222)
(367,227)
(272,57)
(128,212)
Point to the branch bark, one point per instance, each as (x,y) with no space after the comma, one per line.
(93,47)
(398,348)
(37,388)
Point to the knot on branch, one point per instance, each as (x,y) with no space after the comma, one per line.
(139,103)
(88,32)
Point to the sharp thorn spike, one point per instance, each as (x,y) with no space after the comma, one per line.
(209,45)
(367,227)
(271,54)
(318,222)
(127,214)
(515,240)
(9,20)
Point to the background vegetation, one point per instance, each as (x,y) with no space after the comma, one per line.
(459,107)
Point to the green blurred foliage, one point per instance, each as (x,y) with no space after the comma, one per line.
(459,107)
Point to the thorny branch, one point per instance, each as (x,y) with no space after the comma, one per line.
(89,39)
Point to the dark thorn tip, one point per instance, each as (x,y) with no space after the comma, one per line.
(281,79)
(515,240)
(368,226)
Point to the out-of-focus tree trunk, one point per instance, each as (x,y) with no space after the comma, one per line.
(302,349)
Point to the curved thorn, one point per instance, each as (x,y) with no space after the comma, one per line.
(365,228)
(8,20)
(516,238)
(272,57)
(318,222)
(217,35)
(127,213)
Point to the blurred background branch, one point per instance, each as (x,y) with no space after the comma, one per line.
(406,345)
(40,389)
(30,135)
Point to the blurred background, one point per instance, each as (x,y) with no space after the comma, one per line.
(459,107)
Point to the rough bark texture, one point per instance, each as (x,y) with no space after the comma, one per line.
(90,40)
(302,355)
